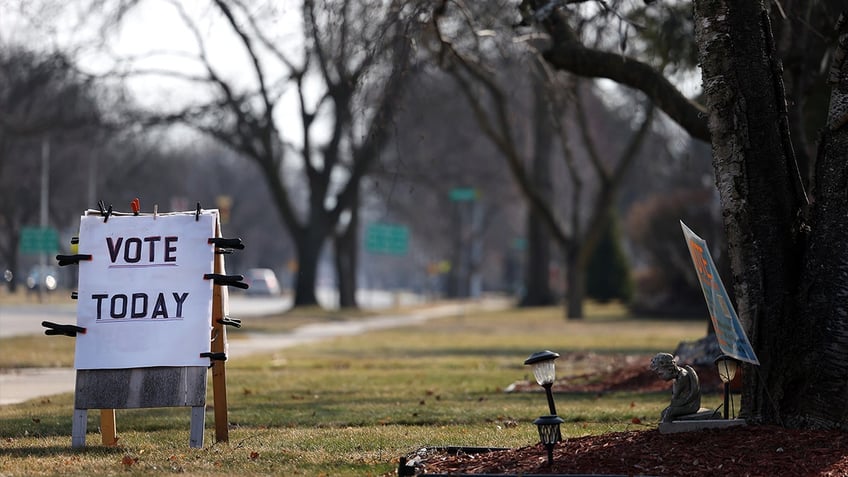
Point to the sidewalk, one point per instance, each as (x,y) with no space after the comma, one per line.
(18,385)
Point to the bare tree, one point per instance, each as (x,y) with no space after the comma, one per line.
(483,84)
(346,72)
(443,180)
(42,101)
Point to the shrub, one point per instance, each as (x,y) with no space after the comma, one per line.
(608,270)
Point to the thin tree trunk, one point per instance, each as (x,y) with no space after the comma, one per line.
(537,289)
(346,245)
(575,278)
(537,270)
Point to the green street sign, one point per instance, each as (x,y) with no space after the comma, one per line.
(39,240)
(463,194)
(519,243)
(387,238)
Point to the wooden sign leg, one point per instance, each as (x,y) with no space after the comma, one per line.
(108,427)
(219,399)
(198,422)
(219,341)
(79,426)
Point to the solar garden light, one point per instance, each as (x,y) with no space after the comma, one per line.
(542,363)
(727,367)
(549,433)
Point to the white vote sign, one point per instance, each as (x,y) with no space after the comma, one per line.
(142,297)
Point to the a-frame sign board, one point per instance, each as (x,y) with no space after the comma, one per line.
(152,288)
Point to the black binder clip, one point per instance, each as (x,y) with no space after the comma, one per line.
(227,280)
(197,213)
(227,321)
(214,357)
(65,330)
(226,246)
(71,259)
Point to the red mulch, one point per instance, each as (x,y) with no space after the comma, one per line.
(621,373)
(741,451)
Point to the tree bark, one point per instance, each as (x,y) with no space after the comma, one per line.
(537,270)
(537,290)
(822,400)
(309,243)
(347,245)
(759,191)
(575,278)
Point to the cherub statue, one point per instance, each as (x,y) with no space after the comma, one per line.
(685,391)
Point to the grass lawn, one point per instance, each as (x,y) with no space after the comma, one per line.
(351,406)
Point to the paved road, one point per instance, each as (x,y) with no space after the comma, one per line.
(22,384)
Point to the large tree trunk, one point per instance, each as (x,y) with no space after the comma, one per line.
(309,244)
(757,197)
(822,400)
(764,206)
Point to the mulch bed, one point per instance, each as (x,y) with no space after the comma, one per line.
(741,451)
(614,373)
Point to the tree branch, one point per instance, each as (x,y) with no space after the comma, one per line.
(627,71)
(501,136)
(568,54)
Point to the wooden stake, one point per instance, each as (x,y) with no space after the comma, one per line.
(219,345)
(108,427)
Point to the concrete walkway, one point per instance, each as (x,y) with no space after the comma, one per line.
(18,385)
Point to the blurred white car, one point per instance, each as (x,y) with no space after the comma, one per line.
(262,281)
(42,277)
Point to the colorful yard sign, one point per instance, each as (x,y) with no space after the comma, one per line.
(143,298)
(731,336)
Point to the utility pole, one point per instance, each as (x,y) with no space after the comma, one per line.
(45,199)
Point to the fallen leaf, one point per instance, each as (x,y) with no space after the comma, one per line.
(636,420)
(128,461)
(254,455)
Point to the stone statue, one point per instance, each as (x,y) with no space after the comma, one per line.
(685,391)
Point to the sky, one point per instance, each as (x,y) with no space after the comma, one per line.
(156,38)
